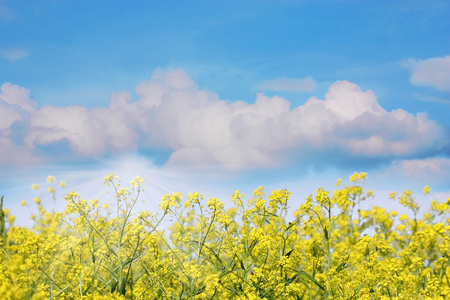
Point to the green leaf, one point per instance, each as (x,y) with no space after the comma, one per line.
(289,253)
(291,224)
(200,290)
(312,279)
(290,280)
(2,223)
(341,266)
(242,265)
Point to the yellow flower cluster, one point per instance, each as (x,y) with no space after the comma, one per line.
(329,249)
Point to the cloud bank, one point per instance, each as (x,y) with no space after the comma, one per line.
(198,129)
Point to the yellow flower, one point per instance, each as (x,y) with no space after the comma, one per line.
(136,181)
(426,190)
(194,197)
(62,184)
(358,176)
(94,203)
(34,186)
(215,204)
(401,227)
(259,192)
(364,213)
(37,200)
(169,200)
(353,177)
(362,176)
(322,198)
(403,217)
(50,178)
(108,178)
(11,220)
(23,203)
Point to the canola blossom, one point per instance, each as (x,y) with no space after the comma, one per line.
(329,249)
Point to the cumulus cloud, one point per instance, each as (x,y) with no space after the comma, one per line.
(13,54)
(90,132)
(433,72)
(289,84)
(17,96)
(198,129)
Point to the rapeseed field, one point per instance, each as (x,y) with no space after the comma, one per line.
(330,249)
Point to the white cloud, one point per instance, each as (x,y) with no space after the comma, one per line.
(15,108)
(17,96)
(201,130)
(13,154)
(289,84)
(348,101)
(90,132)
(433,72)
(13,54)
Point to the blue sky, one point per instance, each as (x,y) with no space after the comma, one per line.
(223,95)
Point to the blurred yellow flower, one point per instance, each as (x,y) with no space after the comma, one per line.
(426,190)
(11,219)
(37,200)
(403,217)
(392,195)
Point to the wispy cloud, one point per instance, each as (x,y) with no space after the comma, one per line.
(289,84)
(433,99)
(13,54)
(433,72)
(199,129)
